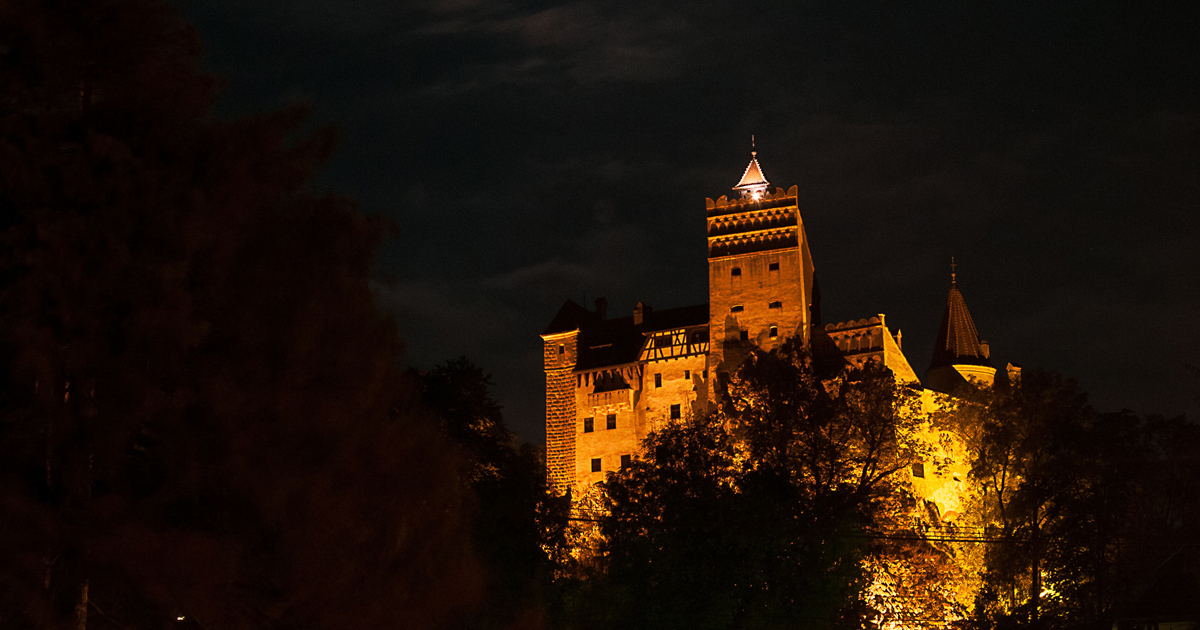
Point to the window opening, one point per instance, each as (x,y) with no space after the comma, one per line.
(774,331)
(919,470)
(588,425)
(773,267)
(775,304)
(658,380)
(595,464)
(736,308)
(611,421)
(625,461)
(675,413)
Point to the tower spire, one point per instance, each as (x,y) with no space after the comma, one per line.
(953,268)
(753,184)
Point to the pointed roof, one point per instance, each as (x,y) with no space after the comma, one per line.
(957,341)
(753,179)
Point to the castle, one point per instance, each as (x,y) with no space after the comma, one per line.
(611,381)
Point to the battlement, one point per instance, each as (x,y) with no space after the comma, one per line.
(853,324)
(770,199)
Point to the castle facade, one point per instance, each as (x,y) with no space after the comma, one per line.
(612,380)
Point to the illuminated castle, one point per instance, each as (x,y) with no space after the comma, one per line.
(611,381)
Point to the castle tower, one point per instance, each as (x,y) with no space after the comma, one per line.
(560,351)
(959,356)
(760,271)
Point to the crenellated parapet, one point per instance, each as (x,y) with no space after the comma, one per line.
(862,341)
(769,199)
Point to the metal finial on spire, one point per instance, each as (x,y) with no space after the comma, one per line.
(953,269)
(753,149)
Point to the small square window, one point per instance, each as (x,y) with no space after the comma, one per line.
(773,267)
(625,461)
(775,304)
(919,470)
(658,380)
(744,335)
(687,375)
(611,421)
(595,464)
(675,414)
(737,271)
(736,308)
(588,425)
(774,331)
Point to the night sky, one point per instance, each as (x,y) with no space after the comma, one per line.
(535,152)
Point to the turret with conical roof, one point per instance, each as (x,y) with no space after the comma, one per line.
(959,355)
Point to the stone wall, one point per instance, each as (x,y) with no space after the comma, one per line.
(559,353)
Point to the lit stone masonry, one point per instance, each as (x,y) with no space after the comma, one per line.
(760,275)
(558,353)
(611,381)
(863,341)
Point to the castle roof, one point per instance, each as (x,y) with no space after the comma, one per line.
(609,342)
(753,178)
(958,341)
(571,316)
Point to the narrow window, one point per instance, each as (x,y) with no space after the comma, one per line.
(773,267)
(919,470)
(744,335)
(737,271)
(595,464)
(588,425)
(658,380)
(625,461)
(611,421)
(736,308)
(687,375)
(775,304)
(562,349)
(774,331)
(675,415)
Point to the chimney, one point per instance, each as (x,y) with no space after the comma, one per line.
(640,313)
(602,308)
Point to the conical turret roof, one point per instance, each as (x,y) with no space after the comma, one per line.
(958,341)
(753,178)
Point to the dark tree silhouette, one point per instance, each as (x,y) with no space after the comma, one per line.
(520,528)
(200,416)
(756,516)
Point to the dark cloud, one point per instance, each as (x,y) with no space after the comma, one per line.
(537,151)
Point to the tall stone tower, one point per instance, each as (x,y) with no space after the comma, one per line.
(959,355)
(760,271)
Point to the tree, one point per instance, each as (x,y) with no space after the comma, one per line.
(200,415)
(520,526)
(758,515)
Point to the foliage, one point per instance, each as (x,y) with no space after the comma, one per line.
(520,527)
(1074,501)
(756,516)
(200,413)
